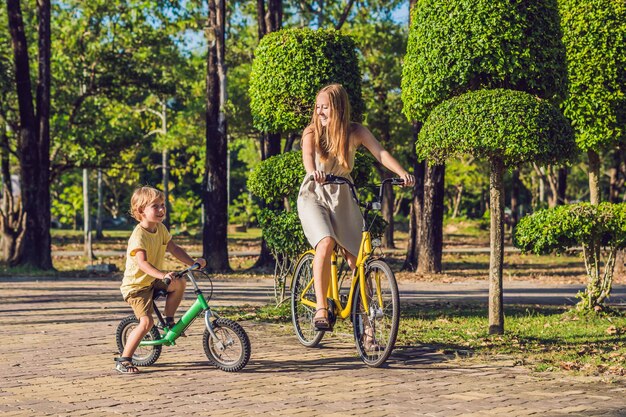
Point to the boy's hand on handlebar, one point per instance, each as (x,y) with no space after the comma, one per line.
(170,275)
(201,262)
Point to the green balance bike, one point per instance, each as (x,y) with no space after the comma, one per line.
(225,342)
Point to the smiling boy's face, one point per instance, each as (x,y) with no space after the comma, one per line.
(154,212)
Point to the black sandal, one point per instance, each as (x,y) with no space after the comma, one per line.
(124,365)
(322,323)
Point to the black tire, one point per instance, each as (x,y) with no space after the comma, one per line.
(302,315)
(234,353)
(144,355)
(379,327)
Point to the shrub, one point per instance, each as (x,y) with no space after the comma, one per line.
(584,224)
(280,176)
(594,34)
(290,67)
(463,45)
(512,126)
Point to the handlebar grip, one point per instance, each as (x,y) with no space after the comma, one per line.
(167,281)
(397,181)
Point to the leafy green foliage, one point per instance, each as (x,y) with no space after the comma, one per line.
(510,125)
(594,34)
(283,232)
(290,67)
(592,226)
(568,226)
(456,46)
(280,176)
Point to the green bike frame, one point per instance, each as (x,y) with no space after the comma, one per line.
(199,306)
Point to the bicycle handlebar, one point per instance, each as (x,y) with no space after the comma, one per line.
(335,179)
(179,274)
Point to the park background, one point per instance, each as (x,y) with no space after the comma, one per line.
(100,97)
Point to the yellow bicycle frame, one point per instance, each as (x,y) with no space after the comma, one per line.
(333,290)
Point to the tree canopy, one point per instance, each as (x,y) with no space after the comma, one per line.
(510,125)
(290,67)
(456,46)
(594,34)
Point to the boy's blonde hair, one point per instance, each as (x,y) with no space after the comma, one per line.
(143,196)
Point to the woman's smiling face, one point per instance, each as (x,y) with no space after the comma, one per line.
(322,108)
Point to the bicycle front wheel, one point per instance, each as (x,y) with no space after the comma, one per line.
(302,315)
(376,329)
(231,351)
(144,355)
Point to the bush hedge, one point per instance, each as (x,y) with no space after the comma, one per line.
(594,34)
(462,45)
(290,67)
(511,125)
(280,176)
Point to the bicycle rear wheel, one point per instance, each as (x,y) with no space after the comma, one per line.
(375,330)
(302,315)
(144,355)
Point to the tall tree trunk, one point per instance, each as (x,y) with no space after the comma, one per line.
(88,247)
(496,258)
(214,233)
(431,228)
(514,197)
(594,177)
(34,143)
(614,181)
(561,196)
(99,234)
(388,192)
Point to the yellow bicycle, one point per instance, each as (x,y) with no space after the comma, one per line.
(368,295)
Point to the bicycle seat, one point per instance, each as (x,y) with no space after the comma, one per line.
(158,294)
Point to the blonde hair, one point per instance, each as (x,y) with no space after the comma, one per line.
(143,196)
(334,138)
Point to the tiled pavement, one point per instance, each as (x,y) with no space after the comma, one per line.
(58,347)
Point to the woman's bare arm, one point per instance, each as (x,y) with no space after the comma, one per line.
(364,137)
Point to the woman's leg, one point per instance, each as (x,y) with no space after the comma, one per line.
(321,273)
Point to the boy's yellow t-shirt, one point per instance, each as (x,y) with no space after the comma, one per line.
(154,244)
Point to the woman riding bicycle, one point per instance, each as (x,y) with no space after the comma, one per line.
(329,215)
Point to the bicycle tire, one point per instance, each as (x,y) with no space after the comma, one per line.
(144,355)
(374,346)
(302,315)
(235,349)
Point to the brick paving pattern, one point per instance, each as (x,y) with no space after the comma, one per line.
(59,345)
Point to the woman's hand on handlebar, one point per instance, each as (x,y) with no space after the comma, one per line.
(409,180)
(318,176)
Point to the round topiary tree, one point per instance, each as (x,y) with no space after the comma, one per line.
(290,67)
(463,45)
(593,227)
(507,128)
(277,180)
(594,35)
(466,45)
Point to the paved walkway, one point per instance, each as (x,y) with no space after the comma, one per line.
(59,345)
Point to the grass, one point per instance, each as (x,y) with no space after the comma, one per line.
(542,338)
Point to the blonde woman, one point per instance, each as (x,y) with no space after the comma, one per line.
(328,213)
